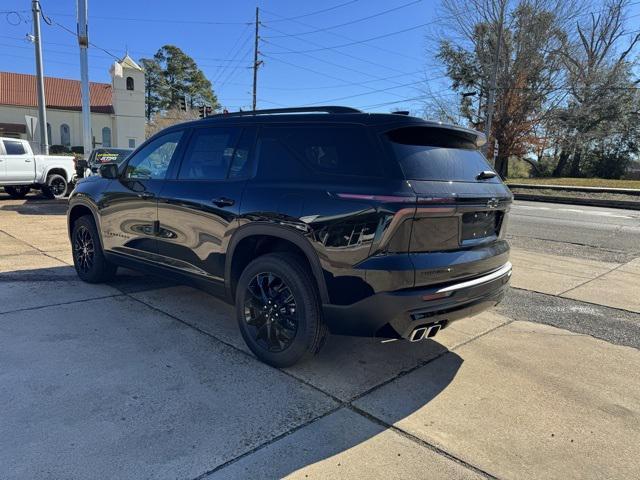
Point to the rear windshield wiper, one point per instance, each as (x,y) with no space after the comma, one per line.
(486,174)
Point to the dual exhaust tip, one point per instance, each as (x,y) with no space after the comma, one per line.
(427,331)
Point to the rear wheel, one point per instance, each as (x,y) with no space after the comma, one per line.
(88,257)
(18,192)
(278,310)
(56,186)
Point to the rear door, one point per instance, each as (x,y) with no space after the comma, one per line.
(18,162)
(129,211)
(462,203)
(199,205)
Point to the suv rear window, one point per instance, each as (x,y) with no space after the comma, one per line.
(437,154)
(337,150)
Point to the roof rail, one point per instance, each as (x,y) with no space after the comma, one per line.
(323,109)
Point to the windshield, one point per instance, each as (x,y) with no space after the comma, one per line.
(437,154)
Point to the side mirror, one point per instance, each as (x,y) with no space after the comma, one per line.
(109,170)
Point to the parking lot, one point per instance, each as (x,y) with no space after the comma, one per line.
(143,378)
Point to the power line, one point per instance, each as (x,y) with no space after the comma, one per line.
(318,59)
(344,54)
(153,20)
(327,87)
(196,22)
(245,57)
(358,20)
(420,97)
(335,34)
(366,93)
(319,11)
(68,30)
(240,48)
(378,37)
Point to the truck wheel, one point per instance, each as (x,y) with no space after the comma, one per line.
(278,310)
(88,258)
(17,192)
(56,186)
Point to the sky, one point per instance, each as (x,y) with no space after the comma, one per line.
(369,54)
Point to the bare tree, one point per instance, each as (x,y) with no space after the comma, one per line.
(599,79)
(529,71)
(167,118)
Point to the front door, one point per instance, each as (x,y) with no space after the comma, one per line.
(129,213)
(198,207)
(17,163)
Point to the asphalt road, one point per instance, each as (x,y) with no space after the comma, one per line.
(605,234)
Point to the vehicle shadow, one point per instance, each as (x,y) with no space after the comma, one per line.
(34,204)
(365,363)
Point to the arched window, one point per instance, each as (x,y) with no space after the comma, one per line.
(106,137)
(129,83)
(65,135)
(49,138)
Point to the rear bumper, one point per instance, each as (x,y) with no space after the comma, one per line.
(397,314)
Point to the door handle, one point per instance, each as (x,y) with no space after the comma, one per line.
(223,202)
(27,160)
(146,195)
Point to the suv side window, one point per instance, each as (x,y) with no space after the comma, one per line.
(336,150)
(209,153)
(276,161)
(241,163)
(13,148)
(152,161)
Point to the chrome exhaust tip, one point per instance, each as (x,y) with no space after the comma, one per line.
(432,330)
(428,331)
(418,334)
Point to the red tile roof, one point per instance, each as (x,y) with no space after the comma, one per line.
(19,89)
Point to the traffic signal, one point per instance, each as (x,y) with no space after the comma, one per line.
(202,111)
(183,103)
(208,111)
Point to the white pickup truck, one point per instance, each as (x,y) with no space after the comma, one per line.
(21,170)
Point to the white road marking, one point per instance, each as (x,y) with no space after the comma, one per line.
(574,210)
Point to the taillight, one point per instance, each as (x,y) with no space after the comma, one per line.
(377,198)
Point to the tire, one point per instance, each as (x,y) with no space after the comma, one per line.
(18,191)
(56,187)
(286,338)
(88,258)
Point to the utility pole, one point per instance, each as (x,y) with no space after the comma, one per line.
(42,110)
(83,42)
(256,63)
(494,77)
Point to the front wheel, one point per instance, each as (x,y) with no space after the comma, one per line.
(18,191)
(56,186)
(278,310)
(88,258)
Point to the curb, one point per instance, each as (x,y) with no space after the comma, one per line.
(571,188)
(628,205)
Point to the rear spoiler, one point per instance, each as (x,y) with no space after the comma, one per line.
(470,136)
(479,138)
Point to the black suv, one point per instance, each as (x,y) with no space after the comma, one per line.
(310,220)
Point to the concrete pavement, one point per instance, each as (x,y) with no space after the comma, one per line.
(146,379)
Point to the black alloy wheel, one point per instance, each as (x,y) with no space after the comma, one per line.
(84,249)
(278,309)
(56,186)
(270,312)
(88,257)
